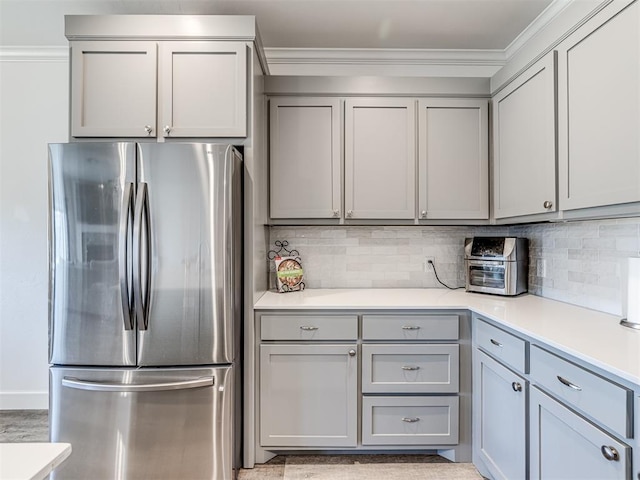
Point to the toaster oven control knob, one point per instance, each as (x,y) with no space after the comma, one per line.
(548,204)
(148,129)
(423,214)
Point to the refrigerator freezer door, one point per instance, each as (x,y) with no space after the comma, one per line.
(193,249)
(91,187)
(133,424)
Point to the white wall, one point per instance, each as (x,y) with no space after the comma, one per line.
(34,99)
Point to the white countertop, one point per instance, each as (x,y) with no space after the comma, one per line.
(592,336)
(31,461)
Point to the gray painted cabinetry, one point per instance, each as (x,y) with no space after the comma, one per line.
(539,414)
(157,86)
(399,164)
(524,143)
(305,165)
(599,109)
(202,89)
(363,381)
(499,403)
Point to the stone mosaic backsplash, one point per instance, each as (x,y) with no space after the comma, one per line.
(582,263)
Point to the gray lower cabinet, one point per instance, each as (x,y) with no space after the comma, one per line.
(500,418)
(566,446)
(308,395)
(500,390)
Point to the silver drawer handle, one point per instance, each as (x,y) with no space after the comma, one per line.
(308,328)
(411,327)
(496,343)
(410,419)
(610,453)
(410,367)
(566,382)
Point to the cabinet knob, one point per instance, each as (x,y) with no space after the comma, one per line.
(352,353)
(336,213)
(349,213)
(548,204)
(610,453)
(423,214)
(167,130)
(517,387)
(148,129)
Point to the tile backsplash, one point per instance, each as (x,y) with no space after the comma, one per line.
(582,263)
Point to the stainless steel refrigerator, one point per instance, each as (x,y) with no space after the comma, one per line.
(145,249)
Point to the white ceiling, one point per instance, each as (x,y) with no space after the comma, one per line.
(322,24)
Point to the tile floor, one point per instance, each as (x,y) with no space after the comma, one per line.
(32,426)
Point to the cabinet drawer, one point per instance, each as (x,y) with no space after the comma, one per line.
(597,397)
(410,368)
(409,420)
(502,345)
(410,327)
(309,327)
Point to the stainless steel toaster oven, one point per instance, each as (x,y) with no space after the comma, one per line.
(498,265)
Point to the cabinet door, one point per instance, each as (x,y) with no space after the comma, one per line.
(308,395)
(599,114)
(454,159)
(304,161)
(113,89)
(203,89)
(380,163)
(524,151)
(565,446)
(500,422)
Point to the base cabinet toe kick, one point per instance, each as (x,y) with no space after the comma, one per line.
(378,381)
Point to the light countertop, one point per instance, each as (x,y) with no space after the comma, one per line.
(592,336)
(31,461)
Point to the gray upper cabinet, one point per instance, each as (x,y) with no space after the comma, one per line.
(305,180)
(113,89)
(524,134)
(158,89)
(380,158)
(599,110)
(453,159)
(203,89)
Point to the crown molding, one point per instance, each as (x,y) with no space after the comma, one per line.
(34,54)
(541,21)
(383,56)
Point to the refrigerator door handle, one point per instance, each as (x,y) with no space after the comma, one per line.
(126,211)
(72,382)
(141,296)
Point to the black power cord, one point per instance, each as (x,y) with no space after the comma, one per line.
(430,262)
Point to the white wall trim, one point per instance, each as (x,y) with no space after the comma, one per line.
(24,400)
(34,54)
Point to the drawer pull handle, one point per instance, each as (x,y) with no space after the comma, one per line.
(517,386)
(308,328)
(411,327)
(416,419)
(496,343)
(610,453)
(410,367)
(566,382)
